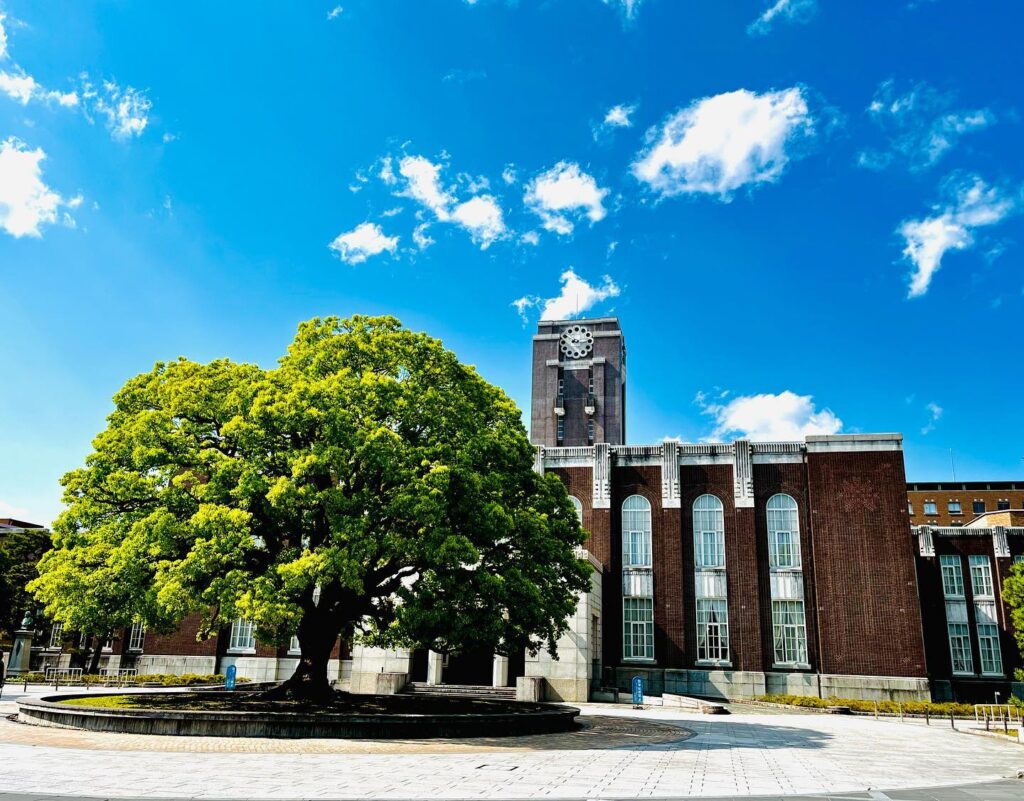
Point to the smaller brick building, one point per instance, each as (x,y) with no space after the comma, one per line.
(955,503)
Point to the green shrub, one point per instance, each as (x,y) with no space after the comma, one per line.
(859,705)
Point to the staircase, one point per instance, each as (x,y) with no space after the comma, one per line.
(460,691)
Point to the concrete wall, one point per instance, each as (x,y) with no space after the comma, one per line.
(368,662)
(569,677)
(737,684)
(177,665)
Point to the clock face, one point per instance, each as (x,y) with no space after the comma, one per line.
(577,341)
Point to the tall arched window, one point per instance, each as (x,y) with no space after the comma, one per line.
(789,628)
(783,532)
(708,532)
(636,532)
(578,506)
(709,581)
(637,580)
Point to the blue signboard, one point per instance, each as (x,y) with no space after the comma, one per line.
(638,691)
(229,679)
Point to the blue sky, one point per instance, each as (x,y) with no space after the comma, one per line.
(805,214)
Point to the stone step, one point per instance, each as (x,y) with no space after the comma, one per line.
(460,690)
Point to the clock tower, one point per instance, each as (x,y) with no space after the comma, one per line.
(579,383)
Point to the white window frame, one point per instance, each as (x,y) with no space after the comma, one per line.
(136,637)
(638,629)
(713,636)
(789,635)
(57,636)
(952,575)
(960,656)
(958,510)
(636,532)
(981,576)
(783,517)
(242,639)
(989,650)
(931,508)
(708,533)
(578,506)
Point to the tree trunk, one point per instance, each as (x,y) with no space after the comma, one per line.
(309,681)
(97,651)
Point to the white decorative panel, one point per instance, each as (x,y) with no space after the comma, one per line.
(743,475)
(787,586)
(538,459)
(602,476)
(1000,544)
(638,583)
(925,541)
(670,475)
(709,583)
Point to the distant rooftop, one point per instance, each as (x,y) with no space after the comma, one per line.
(965,486)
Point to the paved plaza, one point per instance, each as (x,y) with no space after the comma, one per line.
(621,754)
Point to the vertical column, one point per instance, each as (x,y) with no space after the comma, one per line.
(602,476)
(745,638)
(435,667)
(499,675)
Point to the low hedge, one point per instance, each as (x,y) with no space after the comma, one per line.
(887,707)
(163,679)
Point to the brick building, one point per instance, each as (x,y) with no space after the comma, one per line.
(718,569)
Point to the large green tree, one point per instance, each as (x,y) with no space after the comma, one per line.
(370,485)
(1013,594)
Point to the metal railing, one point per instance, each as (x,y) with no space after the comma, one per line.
(998,714)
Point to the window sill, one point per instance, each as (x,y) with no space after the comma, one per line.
(712,663)
(639,660)
(241,651)
(964,674)
(791,665)
(797,569)
(294,653)
(135,650)
(994,675)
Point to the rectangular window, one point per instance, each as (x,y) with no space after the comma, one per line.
(243,635)
(1002,505)
(952,576)
(638,628)
(712,630)
(783,549)
(954,508)
(790,632)
(57,635)
(960,645)
(590,430)
(293,645)
(136,636)
(910,508)
(981,577)
(988,638)
(710,549)
(560,429)
(590,382)
(636,549)
(1018,559)
(930,508)
(978,507)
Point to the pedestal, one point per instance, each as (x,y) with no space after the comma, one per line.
(435,667)
(499,677)
(21,652)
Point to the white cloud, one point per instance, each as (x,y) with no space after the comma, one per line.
(921,126)
(782,11)
(335,12)
(935,414)
(365,240)
(9,509)
(482,217)
(18,87)
(420,237)
(562,193)
(576,297)
(423,184)
(3,37)
(721,143)
(509,174)
(26,202)
(127,110)
(530,238)
(971,204)
(619,116)
(769,418)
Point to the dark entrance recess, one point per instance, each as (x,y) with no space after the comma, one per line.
(419,665)
(470,667)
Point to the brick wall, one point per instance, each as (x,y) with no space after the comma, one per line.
(866,584)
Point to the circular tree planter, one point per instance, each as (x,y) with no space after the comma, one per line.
(245,715)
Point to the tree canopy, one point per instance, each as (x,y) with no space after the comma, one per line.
(20,550)
(370,483)
(1013,594)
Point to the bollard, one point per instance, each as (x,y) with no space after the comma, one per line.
(952,724)
(985,713)
(1006,726)
(927,717)
(900,708)
(876,710)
